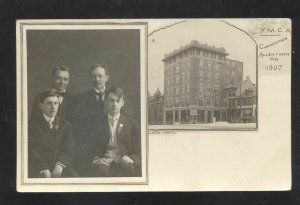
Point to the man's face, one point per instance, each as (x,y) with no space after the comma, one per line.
(99,78)
(50,106)
(113,104)
(61,80)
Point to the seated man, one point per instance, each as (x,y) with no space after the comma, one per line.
(50,141)
(114,147)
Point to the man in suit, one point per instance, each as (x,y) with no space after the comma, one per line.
(51,146)
(90,102)
(114,148)
(61,79)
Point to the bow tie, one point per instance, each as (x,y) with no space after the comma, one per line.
(61,94)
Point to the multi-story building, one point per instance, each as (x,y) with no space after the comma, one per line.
(156,108)
(240,101)
(194,78)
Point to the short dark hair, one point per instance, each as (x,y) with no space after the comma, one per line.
(115,90)
(61,68)
(97,66)
(46,94)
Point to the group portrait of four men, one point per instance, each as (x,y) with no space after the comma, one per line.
(87,135)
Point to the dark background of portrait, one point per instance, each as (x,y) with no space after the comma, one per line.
(118,50)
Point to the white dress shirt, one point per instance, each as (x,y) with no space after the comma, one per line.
(49,120)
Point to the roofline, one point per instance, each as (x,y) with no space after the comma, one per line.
(204,47)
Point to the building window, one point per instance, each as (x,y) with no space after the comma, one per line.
(213,55)
(201,88)
(176,91)
(188,76)
(233,63)
(205,53)
(208,89)
(183,79)
(182,89)
(177,68)
(200,101)
(208,102)
(225,103)
(201,94)
(216,102)
(209,65)
(187,88)
(177,79)
(225,94)
(216,90)
(201,64)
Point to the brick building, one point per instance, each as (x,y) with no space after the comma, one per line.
(195,76)
(155,108)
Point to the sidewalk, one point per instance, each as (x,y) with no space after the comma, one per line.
(207,126)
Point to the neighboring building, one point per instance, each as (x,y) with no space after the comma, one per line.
(155,108)
(194,78)
(240,100)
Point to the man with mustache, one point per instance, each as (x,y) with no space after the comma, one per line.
(51,147)
(90,102)
(61,80)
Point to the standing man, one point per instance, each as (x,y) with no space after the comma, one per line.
(51,146)
(90,102)
(114,148)
(61,79)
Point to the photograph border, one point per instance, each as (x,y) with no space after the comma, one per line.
(22,99)
(174,129)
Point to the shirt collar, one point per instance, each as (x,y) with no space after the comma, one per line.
(113,117)
(48,119)
(99,91)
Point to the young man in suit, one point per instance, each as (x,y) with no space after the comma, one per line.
(90,102)
(51,146)
(61,79)
(114,148)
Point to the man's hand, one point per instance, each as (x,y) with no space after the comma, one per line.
(104,161)
(56,173)
(126,160)
(46,173)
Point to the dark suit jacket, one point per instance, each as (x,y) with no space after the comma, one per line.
(46,147)
(128,135)
(66,109)
(87,106)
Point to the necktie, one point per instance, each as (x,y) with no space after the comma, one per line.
(50,122)
(99,95)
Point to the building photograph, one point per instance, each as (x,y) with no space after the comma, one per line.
(202,81)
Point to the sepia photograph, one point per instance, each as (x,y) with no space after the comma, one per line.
(142,105)
(204,77)
(83,98)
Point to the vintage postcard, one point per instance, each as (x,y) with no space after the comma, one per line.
(154,105)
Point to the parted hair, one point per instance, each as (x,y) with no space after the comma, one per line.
(46,94)
(61,68)
(115,90)
(98,66)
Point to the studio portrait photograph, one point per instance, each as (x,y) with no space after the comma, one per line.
(84,96)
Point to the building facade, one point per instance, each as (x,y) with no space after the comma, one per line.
(195,76)
(240,101)
(156,108)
